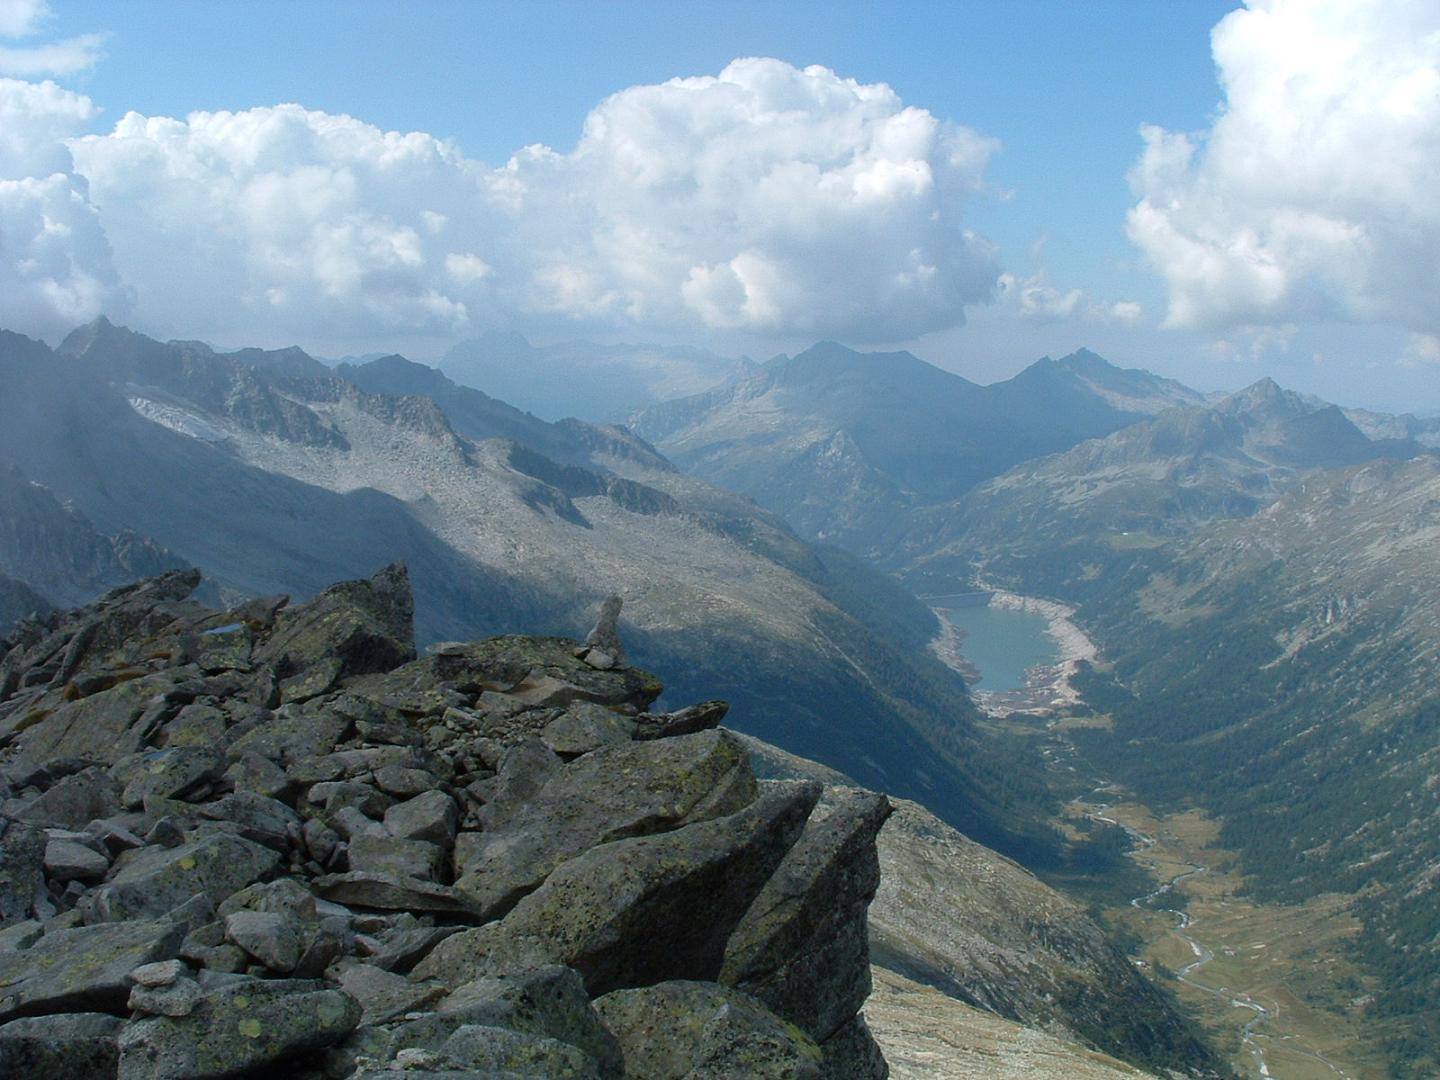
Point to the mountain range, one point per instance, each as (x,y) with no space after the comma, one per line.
(1257,569)
(846,445)
(274,482)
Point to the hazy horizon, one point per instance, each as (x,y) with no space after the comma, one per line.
(1213,192)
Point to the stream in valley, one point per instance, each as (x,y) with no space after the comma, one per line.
(1019,653)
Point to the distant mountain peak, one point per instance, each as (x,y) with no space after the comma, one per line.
(85,337)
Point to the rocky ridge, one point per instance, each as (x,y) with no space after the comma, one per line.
(275,837)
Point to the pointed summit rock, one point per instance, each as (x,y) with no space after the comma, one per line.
(353,628)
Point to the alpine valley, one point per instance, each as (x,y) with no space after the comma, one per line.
(1255,727)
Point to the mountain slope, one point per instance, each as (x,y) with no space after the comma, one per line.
(1288,661)
(59,553)
(845,444)
(277,484)
(1262,581)
(1061,523)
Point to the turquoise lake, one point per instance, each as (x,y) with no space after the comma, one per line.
(1003,644)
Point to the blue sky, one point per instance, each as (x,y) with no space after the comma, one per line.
(1199,270)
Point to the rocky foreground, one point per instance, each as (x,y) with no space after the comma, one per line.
(273,839)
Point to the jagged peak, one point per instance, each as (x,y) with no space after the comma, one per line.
(86,336)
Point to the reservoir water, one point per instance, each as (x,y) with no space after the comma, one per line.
(1003,644)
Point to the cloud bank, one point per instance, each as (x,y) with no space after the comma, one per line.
(55,261)
(1313,196)
(766,199)
(22,18)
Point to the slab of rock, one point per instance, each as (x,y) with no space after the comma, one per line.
(75,801)
(550,1001)
(385,997)
(87,967)
(291,736)
(379,854)
(507,663)
(632,790)
(76,1046)
(94,726)
(645,909)
(22,876)
(495,1051)
(196,725)
(71,860)
(429,816)
(401,949)
(335,795)
(803,949)
(356,626)
(524,769)
(686,721)
(179,998)
(150,881)
(392,892)
(272,938)
(255,817)
(853,1052)
(585,726)
(246,1025)
(178,773)
(685,1030)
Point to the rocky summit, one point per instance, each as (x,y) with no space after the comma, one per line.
(273,839)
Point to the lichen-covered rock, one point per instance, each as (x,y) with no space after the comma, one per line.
(686,721)
(585,726)
(685,1030)
(644,909)
(87,967)
(350,629)
(852,1052)
(379,854)
(75,801)
(549,1000)
(75,1046)
(394,892)
(430,816)
(22,858)
(152,880)
(273,938)
(802,947)
(384,996)
(632,790)
(245,1025)
(260,752)
(69,859)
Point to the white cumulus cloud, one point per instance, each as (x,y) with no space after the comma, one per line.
(1033,298)
(1313,196)
(767,198)
(55,264)
(22,18)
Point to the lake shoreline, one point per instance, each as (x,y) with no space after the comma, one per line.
(1047,686)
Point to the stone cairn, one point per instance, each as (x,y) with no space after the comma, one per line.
(272,840)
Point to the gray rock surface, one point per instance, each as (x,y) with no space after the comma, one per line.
(684,1030)
(630,790)
(623,913)
(241,828)
(803,947)
(83,967)
(75,1046)
(246,1025)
